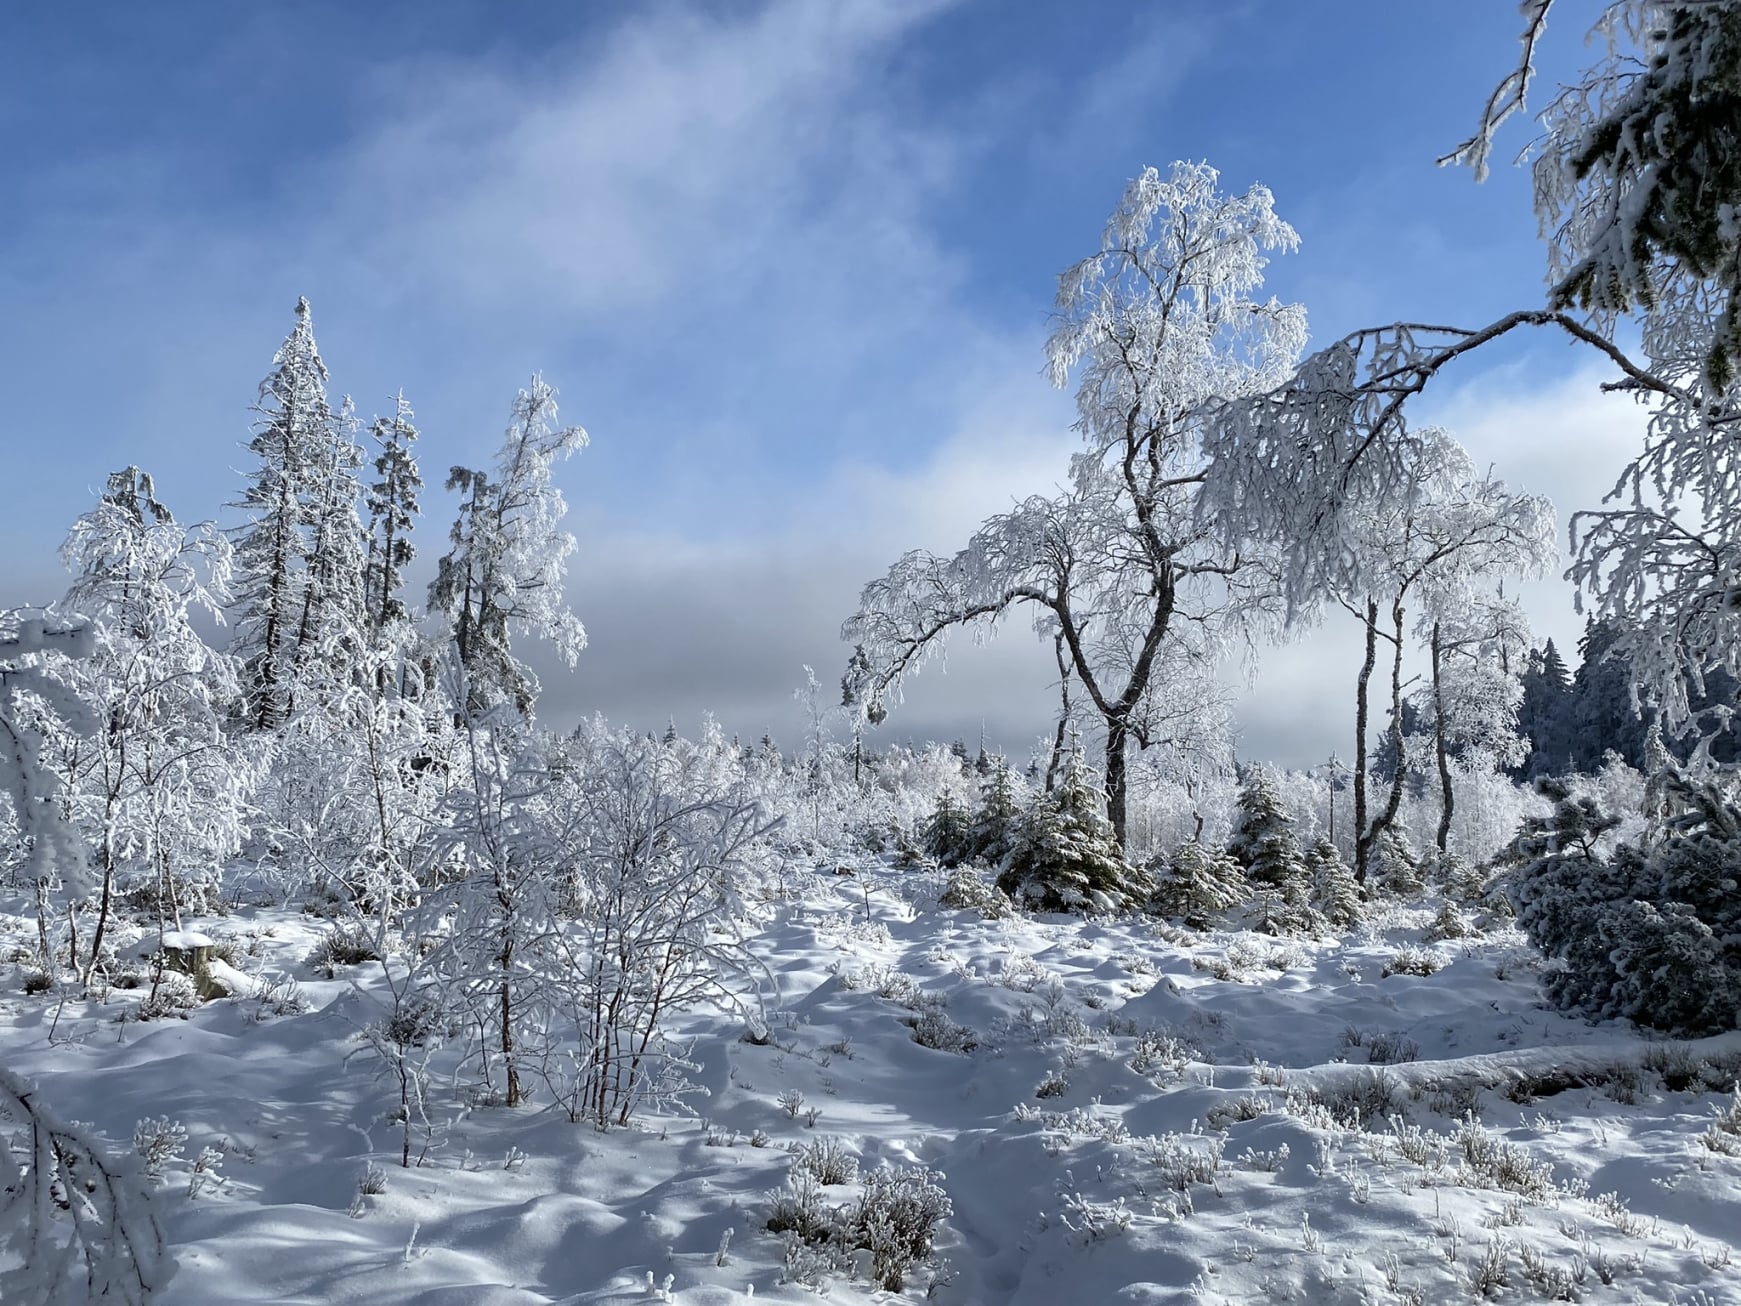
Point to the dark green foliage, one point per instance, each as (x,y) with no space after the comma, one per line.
(1335,892)
(1265,845)
(1197,884)
(1066,858)
(1395,867)
(946,834)
(1650,934)
(998,819)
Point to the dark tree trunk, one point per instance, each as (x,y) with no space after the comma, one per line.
(1370,620)
(1116,780)
(1447,799)
(1393,802)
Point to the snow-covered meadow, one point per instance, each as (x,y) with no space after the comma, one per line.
(1117,1111)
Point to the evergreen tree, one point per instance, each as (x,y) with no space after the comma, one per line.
(1336,893)
(1197,884)
(1067,857)
(1264,844)
(1544,715)
(332,626)
(393,510)
(293,441)
(995,823)
(1396,866)
(1263,840)
(947,834)
(1603,715)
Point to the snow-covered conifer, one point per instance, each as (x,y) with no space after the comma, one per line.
(1198,884)
(503,574)
(294,442)
(393,510)
(1066,858)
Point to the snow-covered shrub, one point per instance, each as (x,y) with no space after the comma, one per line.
(968,890)
(1410,960)
(172,994)
(896,1219)
(1647,933)
(342,945)
(1724,1135)
(1066,858)
(827,1161)
(932,1029)
(158,1142)
(1197,885)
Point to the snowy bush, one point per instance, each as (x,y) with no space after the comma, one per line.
(827,1161)
(894,1218)
(172,994)
(968,890)
(342,945)
(1645,934)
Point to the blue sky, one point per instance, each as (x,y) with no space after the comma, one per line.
(790,264)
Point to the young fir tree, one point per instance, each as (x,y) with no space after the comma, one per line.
(293,439)
(1265,845)
(1395,867)
(1335,892)
(1066,857)
(947,833)
(393,510)
(994,824)
(1198,884)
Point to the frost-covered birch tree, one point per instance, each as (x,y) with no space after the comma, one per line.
(1637,178)
(503,574)
(156,789)
(1158,327)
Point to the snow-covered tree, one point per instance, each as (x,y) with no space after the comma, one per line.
(393,510)
(1266,847)
(1637,177)
(76,1224)
(1335,892)
(1197,884)
(948,834)
(1066,857)
(1157,326)
(295,440)
(503,574)
(332,627)
(157,790)
(993,831)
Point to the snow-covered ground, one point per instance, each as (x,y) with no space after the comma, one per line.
(1120,1113)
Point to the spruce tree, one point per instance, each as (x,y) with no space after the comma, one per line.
(995,823)
(1197,884)
(1066,857)
(946,834)
(393,510)
(1335,892)
(293,438)
(1265,845)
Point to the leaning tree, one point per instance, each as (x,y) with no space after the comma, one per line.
(1159,326)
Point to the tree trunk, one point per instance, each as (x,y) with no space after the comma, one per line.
(1116,782)
(1055,761)
(1370,620)
(1393,802)
(1447,799)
